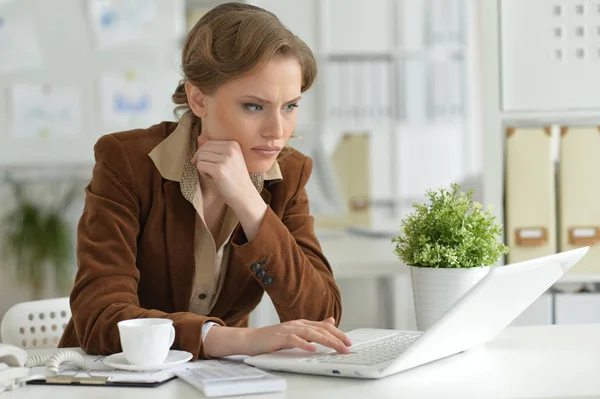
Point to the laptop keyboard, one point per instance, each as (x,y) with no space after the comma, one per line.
(377,352)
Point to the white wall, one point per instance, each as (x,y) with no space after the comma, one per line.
(71,58)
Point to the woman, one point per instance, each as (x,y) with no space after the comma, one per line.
(194,221)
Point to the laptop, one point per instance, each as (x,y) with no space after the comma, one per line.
(479,316)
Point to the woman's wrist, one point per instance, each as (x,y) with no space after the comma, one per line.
(250,211)
(226,341)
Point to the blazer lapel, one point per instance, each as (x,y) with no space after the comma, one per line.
(180,229)
(266,195)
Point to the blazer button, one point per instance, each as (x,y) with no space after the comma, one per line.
(202,296)
(261,273)
(267,280)
(255,267)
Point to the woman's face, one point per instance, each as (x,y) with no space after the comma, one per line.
(257,110)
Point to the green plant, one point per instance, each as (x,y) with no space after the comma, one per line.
(36,238)
(452,231)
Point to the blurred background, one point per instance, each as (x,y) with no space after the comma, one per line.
(501,96)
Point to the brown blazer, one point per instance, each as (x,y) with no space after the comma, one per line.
(136,257)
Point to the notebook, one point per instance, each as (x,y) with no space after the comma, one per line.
(95,372)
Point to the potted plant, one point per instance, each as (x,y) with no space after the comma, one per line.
(37,240)
(449,245)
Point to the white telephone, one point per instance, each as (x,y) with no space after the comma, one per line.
(15,364)
(12,366)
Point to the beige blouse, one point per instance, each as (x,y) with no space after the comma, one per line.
(172,159)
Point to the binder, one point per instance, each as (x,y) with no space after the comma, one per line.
(417,91)
(380,88)
(334,103)
(579,193)
(351,165)
(370,95)
(530,193)
(351,162)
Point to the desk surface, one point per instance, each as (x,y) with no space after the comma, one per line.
(523,362)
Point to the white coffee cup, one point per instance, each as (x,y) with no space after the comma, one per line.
(146,342)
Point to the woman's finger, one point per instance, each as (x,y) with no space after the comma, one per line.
(332,329)
(290,341)
(208,157)
(207,168)
(202,141)
(310,333)
(211,147)
(339,342)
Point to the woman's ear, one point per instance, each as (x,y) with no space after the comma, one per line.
(196,100)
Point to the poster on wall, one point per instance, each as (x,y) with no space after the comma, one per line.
(45,111)
(19,46)
(118,22)
(133,100)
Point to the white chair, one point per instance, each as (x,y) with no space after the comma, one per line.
(36,324)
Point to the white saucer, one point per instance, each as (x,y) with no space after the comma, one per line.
(174,358)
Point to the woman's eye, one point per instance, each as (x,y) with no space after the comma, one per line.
(253,107)
(290,107)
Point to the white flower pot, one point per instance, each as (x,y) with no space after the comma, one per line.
(435,290)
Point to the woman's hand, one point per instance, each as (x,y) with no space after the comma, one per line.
(223,162)
(298,334)
(303,334)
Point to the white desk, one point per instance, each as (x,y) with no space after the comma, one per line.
(523,362)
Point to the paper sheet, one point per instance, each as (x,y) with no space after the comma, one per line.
(116,22)
(19,47)
(45,111)
(132,100)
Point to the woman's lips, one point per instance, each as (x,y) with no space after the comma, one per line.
(266,151)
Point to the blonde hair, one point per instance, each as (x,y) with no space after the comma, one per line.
(230,41)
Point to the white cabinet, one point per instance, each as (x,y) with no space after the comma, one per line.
(577,308)
(538,313)
(550,55)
